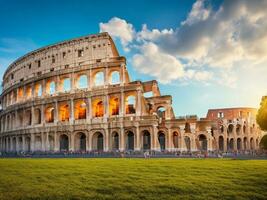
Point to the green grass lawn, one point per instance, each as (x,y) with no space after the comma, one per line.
(132,179)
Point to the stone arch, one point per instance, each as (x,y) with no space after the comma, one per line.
(82,81)
(80,110)
(98,141)
(37,143)
(50,87)
(115,140)
(114,106)
(37,116)
(38,90)
(252,145)
(221,143)
(238,129)
(28,117)
(27,144)
(146,140)
(245,140)
(64,142)
(221,128)
(20,118)
(65,84)
(239,144)
(162,140)
(114,77)
(80,141)
(49,114)
(99,79)
(98,108)
(230,128)
(161,111)
(64,112)
(230,144)
(187,141)
(130,140)
(130,104)
(244,129)
(203,142)
(19,144)
(28,92)
(14,145)
(175,139)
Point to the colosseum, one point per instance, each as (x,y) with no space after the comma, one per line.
(77,96)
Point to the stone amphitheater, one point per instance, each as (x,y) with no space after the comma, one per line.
(77,96)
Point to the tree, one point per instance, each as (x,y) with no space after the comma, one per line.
(263,142)
(262,114)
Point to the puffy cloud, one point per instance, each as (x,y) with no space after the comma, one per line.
(157,64)
(119,28)
(208,43)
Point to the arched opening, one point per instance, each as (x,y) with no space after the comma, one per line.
(80,110)
(51,143)
(64,113)
(230,144)
(114,106)
(19,144)
(252,147)
(203,142)
(187,128)
(49,115)
(66,84)
(80,142)
(99,79)
(14,146)
(230,129)
(82,82)
(175,140)
(64,142)
(51,87)
(238,129)
(130,141)
(37,116)
(221,143)
(28,92)
(146,140)
(20,94)
(28,118)
(161,111)
(38,143)
(161,138)
(187,141)
(244,129)
(221,128)
(98,108)
(115,141)
(114,77)
(130,105)
(38,90)
(239,144)
(98,141)
(27,144)
(245,143)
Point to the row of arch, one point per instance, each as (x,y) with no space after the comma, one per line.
(238,128)
(64,84)
(98,142)
(239,144)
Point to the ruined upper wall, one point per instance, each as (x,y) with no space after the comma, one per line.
(79,51)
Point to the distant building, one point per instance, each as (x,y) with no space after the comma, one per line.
(77,95)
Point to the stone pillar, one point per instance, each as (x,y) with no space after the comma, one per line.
(122,139)
(33,116)
(58,87)
(90,79)
(90,107)
(17,144)
(43,141)
(168,137)
(139,103)
(193,143)
(138,144)
(71,143)
(122,74)
(87,142)
(56,112)
(72,79)
(106,140)
(106,106)
(122,104)
(47,145)
(90,141)
(23,143)
(33,91)
(72,117)
(56,142)
(42,114)
(154,138)
(106,81)
(32,142)
(44,92)
(182,142)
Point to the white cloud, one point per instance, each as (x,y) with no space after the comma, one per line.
(206,46)
(119,28)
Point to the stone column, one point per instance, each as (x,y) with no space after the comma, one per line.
(122,139)
(106,106)
(42,114)
(47,146)
(90,107)
(154,138)
(56,142)
(71,143)
(90,79)
(106,81)
(23,143)
(43,141)
(32,142)
(44,92)
(17,144)
(56,112)
(182,142)
(72,78)
(33,116)
(106,140)
(193,143)
(138,145)
(90,141)
(168,137)
(71,111)
(138,110)
(87,142)
(58,84)
(122,104)
(123,74)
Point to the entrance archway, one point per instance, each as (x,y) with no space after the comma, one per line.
(146,140)
(161,138)
(80,142)
(130,141)
(221,143)
(64,142)
(115,141)
(203,142)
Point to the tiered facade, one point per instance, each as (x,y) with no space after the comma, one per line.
(77,96)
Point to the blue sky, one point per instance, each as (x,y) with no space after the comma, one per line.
(206,54)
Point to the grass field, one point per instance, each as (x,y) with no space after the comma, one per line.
(132,179)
